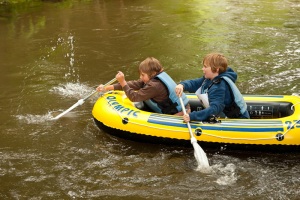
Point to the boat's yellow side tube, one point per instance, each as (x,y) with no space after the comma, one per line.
(115,110)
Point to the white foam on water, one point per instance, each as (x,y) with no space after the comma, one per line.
(204,169)
(76,90)
(35,119)
(226,175)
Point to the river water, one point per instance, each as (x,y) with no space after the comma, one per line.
(55,53)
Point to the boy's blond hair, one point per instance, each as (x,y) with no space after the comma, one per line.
(216,60)
(151,66)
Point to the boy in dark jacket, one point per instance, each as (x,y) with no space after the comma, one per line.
(215,83)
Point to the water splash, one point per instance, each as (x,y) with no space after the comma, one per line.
(75,90)
(205,170)
(226,175)
(63,50)
(71,56)
(72,90)
(35,119)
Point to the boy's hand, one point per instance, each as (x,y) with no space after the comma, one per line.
(186,118)
(121,79)
(179,90)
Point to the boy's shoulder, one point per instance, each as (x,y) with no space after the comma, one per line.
(155,82)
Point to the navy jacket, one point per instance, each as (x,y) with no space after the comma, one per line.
(218,95)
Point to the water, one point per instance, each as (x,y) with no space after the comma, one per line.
(53,54)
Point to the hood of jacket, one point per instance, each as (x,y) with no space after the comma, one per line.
(228,73)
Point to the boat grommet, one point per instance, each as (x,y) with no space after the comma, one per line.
(198,131)
(279,137)
(125,120)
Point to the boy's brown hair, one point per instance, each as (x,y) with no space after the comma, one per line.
(216,60)
(151,66)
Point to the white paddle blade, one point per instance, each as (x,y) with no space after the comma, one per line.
(200,155)
(79,102)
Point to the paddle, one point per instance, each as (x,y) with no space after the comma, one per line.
(81,101)
(199,154)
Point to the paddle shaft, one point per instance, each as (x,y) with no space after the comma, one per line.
(95,92)
(81,101)
(188,123)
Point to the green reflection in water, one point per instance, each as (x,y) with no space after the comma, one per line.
(258,37)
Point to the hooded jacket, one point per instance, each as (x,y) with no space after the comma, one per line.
(219,94)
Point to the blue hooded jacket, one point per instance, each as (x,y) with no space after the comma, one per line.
(219,94)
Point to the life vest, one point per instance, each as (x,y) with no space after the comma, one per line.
(202,95)
(234,91)
(238,97)
(170,84)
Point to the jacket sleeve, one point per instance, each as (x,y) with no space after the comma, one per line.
(216,97)
(136,85)
(149,91)
(192,85)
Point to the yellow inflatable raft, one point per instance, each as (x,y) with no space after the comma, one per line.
(275,120)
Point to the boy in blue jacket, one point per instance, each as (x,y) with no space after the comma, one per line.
(218,85)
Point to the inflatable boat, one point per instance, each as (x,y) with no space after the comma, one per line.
(274,121)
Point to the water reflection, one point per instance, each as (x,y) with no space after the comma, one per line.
(53,54)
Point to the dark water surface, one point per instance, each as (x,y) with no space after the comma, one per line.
(53,54)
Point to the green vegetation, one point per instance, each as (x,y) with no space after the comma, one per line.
(16,1)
